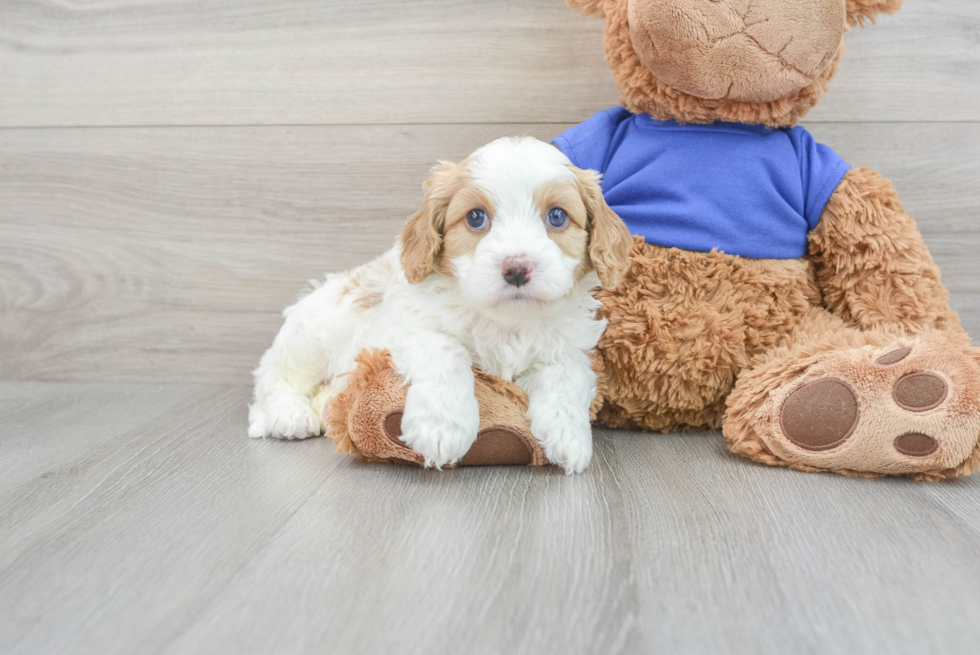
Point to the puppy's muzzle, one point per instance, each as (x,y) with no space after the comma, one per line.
(516,271)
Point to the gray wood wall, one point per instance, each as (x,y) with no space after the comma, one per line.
(172,172)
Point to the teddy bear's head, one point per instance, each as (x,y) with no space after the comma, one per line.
(750,61)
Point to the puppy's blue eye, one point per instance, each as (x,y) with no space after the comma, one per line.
(477,219)
(557,217)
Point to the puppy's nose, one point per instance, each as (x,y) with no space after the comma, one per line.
(516,271)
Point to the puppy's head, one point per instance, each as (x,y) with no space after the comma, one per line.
(515,224)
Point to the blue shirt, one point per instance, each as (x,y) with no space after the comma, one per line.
(744,189)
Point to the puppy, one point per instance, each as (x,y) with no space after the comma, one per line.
(496,270)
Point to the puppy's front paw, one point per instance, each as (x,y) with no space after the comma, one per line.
(439,424)
(567,443)
(284,417)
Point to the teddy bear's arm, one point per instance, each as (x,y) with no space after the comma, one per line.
(871,263)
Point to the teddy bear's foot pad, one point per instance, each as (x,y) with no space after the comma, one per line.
(905,409)
(823,414)
(820,415)
(497,445)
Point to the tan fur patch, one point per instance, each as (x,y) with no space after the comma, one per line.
(422,236)
(610,241)
(573,239)
(366,286)
(458,237)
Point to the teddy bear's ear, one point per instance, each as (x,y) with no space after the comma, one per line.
(861,12)
(594,8)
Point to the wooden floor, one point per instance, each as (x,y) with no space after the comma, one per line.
(136,519)
(170,175)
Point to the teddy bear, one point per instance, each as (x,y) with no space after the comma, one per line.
(775,292)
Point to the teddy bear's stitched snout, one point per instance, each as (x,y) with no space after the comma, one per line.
(745,50)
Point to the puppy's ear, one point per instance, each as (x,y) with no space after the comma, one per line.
(594,8)
(860,12)
(610,241)
(422,235)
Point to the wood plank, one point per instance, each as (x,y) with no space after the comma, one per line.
(177,534)
(107,411)
(229,62)
(132,516)
(168,253)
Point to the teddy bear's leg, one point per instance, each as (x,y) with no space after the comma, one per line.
(885,384)
(861,403)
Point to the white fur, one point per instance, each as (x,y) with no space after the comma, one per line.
(538,335)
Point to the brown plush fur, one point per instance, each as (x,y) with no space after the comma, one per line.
(371,364)
(356,417)
(683,325)
(871,263)
(748,50)
(860,12)
(641,92)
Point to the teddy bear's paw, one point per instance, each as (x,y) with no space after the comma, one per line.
(910,408)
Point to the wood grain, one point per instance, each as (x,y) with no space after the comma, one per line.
(128,519)
(231,62)
(168,254)
(148,522)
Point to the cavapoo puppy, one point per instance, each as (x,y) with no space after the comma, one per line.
(496,270)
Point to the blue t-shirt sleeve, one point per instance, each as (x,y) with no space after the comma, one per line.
(821,168)
(587,143)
